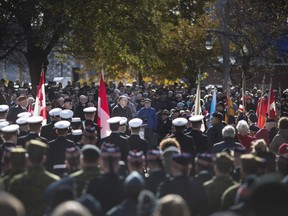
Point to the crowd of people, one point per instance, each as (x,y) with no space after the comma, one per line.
(159,158)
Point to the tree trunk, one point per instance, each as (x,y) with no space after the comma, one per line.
(37,60)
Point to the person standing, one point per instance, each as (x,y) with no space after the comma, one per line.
(34,124)
(135,141)
(121,108)
(200,138)
(28,187)
(14,111)
(57,148)
(149,118)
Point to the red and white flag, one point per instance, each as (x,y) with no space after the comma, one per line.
(103,109)
(40,102)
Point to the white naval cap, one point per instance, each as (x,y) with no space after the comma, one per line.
(123,121)
(180,121)
(55,112)
(10,128)
(89,109)
(3,124)
(24,114)
(77,132)
(63,124)
(3,108)
(76,119)
(22,120)
(34,119)
(196,118)
(114,120)
(66,114)
(135,122)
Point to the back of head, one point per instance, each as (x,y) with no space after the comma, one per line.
(90,154)
(171,205)
(146,203)
(242,127)
(224,162)
(10,205)
(283,123)
(269,199)
(71,208)
(36,150)
(133,185)
(228,131)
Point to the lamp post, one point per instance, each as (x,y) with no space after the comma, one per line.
(225,45)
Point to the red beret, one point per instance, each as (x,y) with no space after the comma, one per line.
(21,98)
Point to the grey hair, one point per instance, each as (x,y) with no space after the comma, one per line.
(242,127)
(228,131)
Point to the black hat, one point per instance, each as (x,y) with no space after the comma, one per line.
(90,151)
(254,128)
(218,115)
(147,99)
(135,156)
(67,100)
(253,117)
(183,159)
(153,155)
(165,112)
(110,150)
(204,159)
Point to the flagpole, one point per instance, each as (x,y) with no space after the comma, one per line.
(243,92)
(261,99)
(269,98)
(197,107)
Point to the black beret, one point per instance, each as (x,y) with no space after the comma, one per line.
(183,159)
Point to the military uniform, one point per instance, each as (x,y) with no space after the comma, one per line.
(29,186)
(186,142)
(82,177)
(56,155)
(118,141)
(137,143)
(108,189)
(153,180)
(31,135)
(193,193)
(16,156)
(215,188)
(48,131)
(200,140)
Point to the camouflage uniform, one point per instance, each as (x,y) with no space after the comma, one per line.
(29,187)
(83,176)
(215,188)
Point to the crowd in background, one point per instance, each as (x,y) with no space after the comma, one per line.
(160,158)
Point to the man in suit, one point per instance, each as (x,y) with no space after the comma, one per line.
(14,111)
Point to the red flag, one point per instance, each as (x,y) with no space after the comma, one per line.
(40,103)
(261,112)
(103,110)
(272,107)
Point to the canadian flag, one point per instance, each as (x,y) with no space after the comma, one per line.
(272,107)
(40,102)
(103,109)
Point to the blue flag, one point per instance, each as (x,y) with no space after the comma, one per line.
(213,106)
